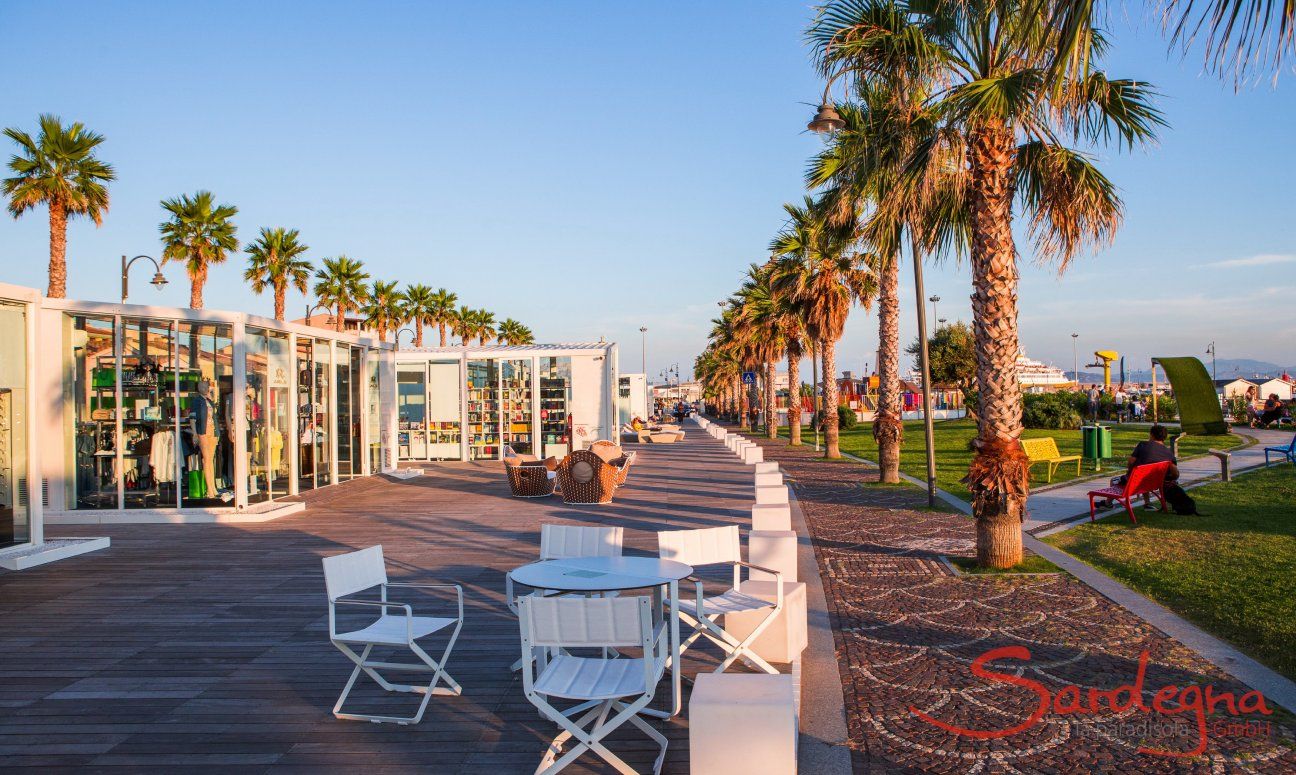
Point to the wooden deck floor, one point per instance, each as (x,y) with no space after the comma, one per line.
(205,647)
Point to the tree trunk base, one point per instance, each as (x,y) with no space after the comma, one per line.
(999,540)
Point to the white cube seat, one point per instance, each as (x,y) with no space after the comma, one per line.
(772,478)
(767,467)
(752,454)
(788,635)
(773,549)
(772,494)
(771,516)
(742,723)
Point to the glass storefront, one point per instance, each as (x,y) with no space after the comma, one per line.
(151,419)
(15,492)
(90,397)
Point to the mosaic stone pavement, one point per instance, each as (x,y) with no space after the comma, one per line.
(907,630)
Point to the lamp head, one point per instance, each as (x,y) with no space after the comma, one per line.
(827,120)
(158,280)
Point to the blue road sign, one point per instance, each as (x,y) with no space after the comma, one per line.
(749,378)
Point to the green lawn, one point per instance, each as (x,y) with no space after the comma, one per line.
(1232,572)
(953,454)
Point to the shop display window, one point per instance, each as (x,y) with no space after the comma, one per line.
(443,388)
(90,396)
(483,410)
(515,405)
(555,404)
(152,449)
(350,463)
(373,414)
(205,397)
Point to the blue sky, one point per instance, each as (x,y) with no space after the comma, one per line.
(589,168)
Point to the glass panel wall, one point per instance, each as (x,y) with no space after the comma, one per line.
(555,405)
(349,410)
(483,410)
(277,413)
(90,386)
(15,488)
(150,464)
(255,353)
(411,411)
(444,387)
(515,397)
(373,414)
(206,403)
(322,412)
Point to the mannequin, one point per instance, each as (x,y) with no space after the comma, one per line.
(204,428)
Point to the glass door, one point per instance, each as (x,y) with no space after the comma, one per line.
(91,394)
(411,411)
(483,410)
(322,412)
(305,448)
(443,391)
(348,411)
(515,399)
(150,436)
(277,413)
(15,492)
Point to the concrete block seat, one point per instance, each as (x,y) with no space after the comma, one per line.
(752,454)
(767,467)
(742,723)
(771,516)
(775,494)
(769,479)
(788,635)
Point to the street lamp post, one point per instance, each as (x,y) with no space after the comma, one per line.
(311,311)
(411,331)
(643,349)
(1211,352)
(157,282)
(934,300)
(1075,357)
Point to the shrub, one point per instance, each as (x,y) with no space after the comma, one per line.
(1167,409)
(1053,411)
(846,418)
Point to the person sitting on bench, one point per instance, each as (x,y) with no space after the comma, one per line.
(1154,450)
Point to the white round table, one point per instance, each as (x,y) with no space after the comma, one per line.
(617,574)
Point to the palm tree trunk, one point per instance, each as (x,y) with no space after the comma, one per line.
(442,328)
(832,397)
(57,251)
(997,477)
(771,424)
(339,323)
(418,332)
(196,284)
(794,400)
(888,430)
(279,301)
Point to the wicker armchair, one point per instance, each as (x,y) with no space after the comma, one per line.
(584,477)
(614,456)
(529,479)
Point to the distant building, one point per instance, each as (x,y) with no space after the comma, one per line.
(325,320)
(1283,386)
(1232,388)
(670,393)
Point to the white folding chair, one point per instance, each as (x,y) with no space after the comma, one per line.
(720,546)
(610,692)
(562,542)
(355,572)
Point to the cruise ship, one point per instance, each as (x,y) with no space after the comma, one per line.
(1037,377)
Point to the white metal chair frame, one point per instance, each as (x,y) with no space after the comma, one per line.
(563,542)
(721,546)
(363,570)
(558,623)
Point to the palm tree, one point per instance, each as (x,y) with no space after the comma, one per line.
(759,321)
(200,233)
(341,285)
(383,308)
(999,93)
(418,308)
(821,267)
(59,169)
(463,324)
(483,323)
(273,262)
(513,332)
(441,311)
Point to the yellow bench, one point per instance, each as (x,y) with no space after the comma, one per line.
(1045,450)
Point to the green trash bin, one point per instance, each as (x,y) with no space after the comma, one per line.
(1096,442)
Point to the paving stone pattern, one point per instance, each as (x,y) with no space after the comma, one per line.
(907,630)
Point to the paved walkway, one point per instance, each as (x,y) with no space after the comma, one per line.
(1047,510)
(187,648)
(907,630)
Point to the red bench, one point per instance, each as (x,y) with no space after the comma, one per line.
(1145,479)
